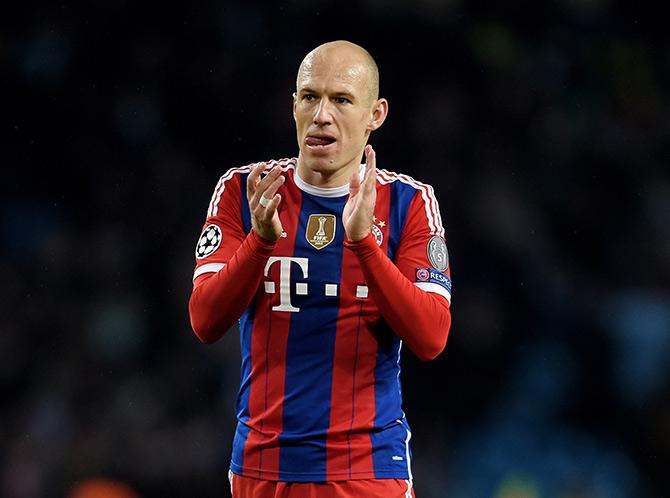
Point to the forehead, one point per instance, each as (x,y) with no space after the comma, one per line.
(333,74)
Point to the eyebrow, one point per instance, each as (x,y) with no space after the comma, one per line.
(343,94)
(334,94)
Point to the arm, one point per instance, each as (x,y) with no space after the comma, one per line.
(420,318)
(228,273)
(219,299)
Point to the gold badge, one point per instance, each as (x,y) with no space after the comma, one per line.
(320,230)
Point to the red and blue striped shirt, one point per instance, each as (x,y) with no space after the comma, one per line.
(322,322)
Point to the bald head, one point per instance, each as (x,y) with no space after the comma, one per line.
(347,59)
(336,106)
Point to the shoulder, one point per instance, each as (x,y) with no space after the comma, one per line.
(387,177)
(233,177)
(286,164)
(407,185)
(420,198)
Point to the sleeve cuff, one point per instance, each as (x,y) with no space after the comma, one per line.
(259,242)
(259,249)
(367,245)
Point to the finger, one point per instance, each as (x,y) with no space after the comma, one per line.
(265,214)
(272,207)
(370,160)
(267,180)
(253,179)
(371,186)
(370,156)
(370,168)
(263,185)
(354,184)
(272,189)
(267,193)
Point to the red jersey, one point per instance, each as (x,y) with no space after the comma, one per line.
(322,323)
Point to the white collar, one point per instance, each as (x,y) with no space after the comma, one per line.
(340,191)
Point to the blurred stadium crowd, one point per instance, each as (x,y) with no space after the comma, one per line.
(544,128)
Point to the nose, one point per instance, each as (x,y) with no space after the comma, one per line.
(322,114)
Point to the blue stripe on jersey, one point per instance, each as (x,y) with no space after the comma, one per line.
(306,415)
(244,203)
(242,405)
(389,451)
(401,197)
(388,438)
(246,326)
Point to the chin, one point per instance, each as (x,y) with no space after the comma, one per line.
(321,163)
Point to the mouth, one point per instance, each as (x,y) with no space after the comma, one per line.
(320,142)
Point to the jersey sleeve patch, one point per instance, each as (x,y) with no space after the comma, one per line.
(209,241)
(429,275)
(437,253)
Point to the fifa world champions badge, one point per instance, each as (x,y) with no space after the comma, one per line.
(437,253)
(320,230)
(209,241)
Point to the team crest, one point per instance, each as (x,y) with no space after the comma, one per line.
(209,242)
(437,253)
(378,235)
(320,230)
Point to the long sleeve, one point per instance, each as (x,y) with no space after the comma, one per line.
(229,262)
(421,319)
(219,299)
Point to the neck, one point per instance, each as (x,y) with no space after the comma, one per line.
(326,178)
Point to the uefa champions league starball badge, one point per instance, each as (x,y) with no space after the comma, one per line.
(437,253)
(209,241)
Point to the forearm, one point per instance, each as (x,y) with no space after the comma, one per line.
(219,299)
(421,319)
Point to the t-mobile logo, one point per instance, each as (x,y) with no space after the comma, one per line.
(285,281)
(330,290)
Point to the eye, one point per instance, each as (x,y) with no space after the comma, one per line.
(342,100)
(308,97)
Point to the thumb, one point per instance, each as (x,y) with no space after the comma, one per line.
(354,184)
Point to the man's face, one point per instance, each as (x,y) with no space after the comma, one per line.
(332,108)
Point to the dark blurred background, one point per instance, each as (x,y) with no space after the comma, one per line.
(544,127)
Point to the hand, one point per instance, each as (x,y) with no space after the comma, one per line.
(265,219)
(360,207)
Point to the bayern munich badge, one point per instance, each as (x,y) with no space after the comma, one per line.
(437,253)
(378,235)
(209,241)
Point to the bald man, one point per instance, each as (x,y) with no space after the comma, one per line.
(329,265)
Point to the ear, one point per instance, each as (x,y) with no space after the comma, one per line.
(380,110)
(295,102)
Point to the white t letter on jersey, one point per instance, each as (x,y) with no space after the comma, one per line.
(285,280)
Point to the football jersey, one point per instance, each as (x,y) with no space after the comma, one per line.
(320,395)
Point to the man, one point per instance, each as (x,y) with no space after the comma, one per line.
(328,275)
